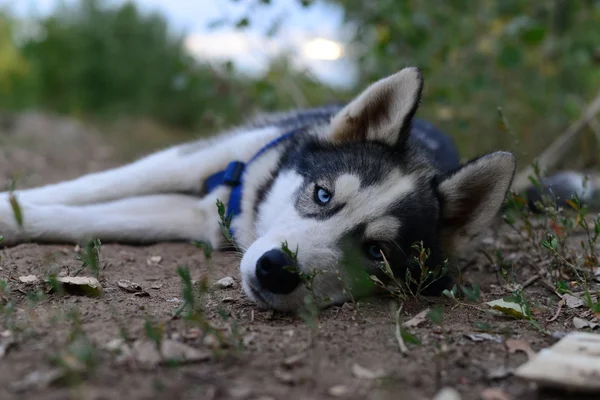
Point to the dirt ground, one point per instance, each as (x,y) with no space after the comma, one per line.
(353,354)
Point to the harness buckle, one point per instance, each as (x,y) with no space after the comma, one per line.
(233,173)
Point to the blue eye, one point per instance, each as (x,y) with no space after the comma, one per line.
(374,252)
(322,196)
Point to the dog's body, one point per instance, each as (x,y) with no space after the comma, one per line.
(363,175)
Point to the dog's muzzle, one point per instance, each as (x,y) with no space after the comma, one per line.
(275,271)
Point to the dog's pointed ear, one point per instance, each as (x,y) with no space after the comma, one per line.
(382,112)
(472,197)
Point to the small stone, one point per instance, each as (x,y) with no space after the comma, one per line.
(154,260)
(210,341)
(283,376)
(338,390)
(437,330)
(225,283)
(364,373)
(294,360)
(29,279)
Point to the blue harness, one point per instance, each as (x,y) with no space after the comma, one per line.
(233,176)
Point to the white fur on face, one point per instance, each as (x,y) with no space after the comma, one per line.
(318,240)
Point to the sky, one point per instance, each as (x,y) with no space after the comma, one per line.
(313,36)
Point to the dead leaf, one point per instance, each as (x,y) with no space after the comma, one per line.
(572,301)
(225,283)
(417,319)
(481,337)
(582,323)
(364,373)
(81,285)
(29,279)
(37,380)
(508,308)
(129,286)
(147,354)
(573,363)
(494,394)
(228,300)
(514,345)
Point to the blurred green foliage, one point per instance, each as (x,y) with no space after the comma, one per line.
(99,61)
(539,61)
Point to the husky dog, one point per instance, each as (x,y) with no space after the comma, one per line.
(362,179)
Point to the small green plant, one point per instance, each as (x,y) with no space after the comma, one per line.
(155,332)
(417,278)
(206,247)
(90,258)
(193,313)
(225,223)
(7,306)
(80,356)
(16,208)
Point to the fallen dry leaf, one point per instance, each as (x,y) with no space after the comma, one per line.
(147,354)
(514,345)
(225,283)
(81,285)
(37,380)
(572,363)
(364,373)
(417,319)
(481,337)
(582,323)
(508,308)
(129,286)
(572,301)
(29,279)
(494,394)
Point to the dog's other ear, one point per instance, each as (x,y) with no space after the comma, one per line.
(382,112)
(472,196)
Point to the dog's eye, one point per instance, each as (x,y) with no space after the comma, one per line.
(374,252)
(322,196)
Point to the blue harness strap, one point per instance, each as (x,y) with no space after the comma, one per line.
(233,176)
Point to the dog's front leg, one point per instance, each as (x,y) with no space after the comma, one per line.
(141,219)
(175,170)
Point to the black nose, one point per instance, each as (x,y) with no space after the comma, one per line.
(275,272)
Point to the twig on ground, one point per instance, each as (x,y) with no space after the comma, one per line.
(556,151)
(531,280)
(401,344)
(561,303)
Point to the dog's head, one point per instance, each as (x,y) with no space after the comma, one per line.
(360,194)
